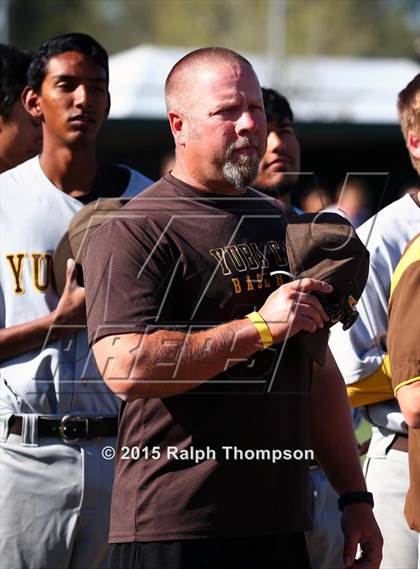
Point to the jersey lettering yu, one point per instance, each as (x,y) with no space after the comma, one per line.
(61,376)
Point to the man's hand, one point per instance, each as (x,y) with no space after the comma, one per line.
(292,308)
(360,528)
(71,309)
(28,336)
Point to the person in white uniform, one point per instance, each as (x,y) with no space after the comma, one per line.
(362,356)
(56,415)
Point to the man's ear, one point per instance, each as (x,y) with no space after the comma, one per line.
(413,144)
(31,101)
(176,121)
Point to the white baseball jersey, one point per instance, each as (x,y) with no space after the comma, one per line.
(385,235)
(359,352)
(59,378)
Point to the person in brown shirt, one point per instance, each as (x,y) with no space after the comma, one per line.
(189,329)
(404,353)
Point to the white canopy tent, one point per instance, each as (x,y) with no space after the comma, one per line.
(321,89)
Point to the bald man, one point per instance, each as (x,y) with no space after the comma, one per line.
(187,328)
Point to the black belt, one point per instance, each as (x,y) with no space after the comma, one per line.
(71,428)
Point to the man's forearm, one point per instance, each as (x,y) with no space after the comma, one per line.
(332,432)
(167,363)
(23,338)
(67,318)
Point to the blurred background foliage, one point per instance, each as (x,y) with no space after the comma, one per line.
(377,28)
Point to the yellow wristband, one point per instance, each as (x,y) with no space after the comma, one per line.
(262,327)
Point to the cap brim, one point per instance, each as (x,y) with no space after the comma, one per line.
(315,344)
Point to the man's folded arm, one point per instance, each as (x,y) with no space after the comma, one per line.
(64,320)
(166,363)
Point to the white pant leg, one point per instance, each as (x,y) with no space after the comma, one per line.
(325,541)
(418,550)
(388,479)
(90,547)
(54,504)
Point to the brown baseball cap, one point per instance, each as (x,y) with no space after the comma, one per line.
(82,225)
(325,246)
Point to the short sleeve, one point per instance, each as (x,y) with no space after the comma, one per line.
(404,318)
(126,270)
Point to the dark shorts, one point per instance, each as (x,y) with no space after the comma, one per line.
(284,551)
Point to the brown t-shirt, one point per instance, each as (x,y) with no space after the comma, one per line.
(178,258)
(404,353)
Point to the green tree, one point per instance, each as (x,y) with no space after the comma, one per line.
(351,27)
(383,28)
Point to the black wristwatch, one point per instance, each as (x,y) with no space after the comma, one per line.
(355,498)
